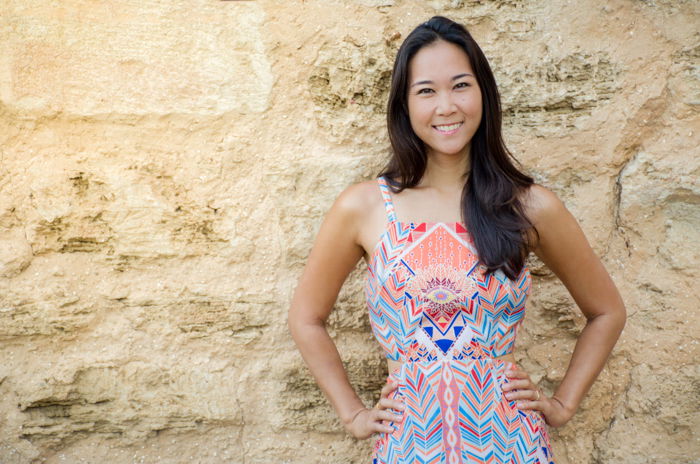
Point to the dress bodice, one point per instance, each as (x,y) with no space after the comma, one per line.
(430,298)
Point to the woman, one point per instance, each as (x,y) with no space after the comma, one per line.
(447,280)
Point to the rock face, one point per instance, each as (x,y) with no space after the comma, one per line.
(166,165)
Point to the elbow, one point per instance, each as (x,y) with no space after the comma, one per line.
(298,323)
(620,315)
(617,318)
(622,319)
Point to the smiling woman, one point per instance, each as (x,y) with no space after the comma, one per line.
(446,296)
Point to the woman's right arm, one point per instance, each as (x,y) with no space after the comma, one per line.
(334,255)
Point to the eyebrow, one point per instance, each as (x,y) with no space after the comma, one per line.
(458,76)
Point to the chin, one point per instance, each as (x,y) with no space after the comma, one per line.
(451,151)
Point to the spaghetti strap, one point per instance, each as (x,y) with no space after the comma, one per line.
(386,195)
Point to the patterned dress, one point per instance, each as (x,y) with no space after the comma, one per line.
(432,307)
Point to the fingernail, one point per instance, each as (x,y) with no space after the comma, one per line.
(509,395)
(519,404)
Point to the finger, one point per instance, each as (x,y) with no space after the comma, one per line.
(388,388)
(378,415)
(527,394)
(386,403)
(386,428)
(382,426)
(528,404)
(517,385)
(517,395)
(390,417)
(541,404)
(516,373)
(511,370)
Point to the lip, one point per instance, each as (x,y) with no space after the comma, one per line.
(461,123)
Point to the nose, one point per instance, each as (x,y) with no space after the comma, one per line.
(445,104)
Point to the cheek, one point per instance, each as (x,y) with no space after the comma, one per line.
(472,106)
(418,114)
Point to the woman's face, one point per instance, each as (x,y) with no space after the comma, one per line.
(444,98)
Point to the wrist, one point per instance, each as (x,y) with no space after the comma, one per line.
(571,410)
(351,417)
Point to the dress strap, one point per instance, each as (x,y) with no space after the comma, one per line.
(386,194)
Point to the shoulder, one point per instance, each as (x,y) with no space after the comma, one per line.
(541,205)
(558,233)
(360,194)
(356,200)
(545,211)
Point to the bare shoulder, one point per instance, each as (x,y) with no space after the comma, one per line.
(541,205)
(362,209)
(359,198)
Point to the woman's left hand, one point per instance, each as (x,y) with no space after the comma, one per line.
(521,389)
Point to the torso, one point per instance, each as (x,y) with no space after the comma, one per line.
(410,205)
(452,329)
(448,330)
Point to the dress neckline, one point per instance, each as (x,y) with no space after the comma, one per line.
(430,223)
(386,235)
(406,224)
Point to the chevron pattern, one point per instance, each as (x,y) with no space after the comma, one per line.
(432,306)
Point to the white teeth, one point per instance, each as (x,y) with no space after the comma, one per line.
(451,127)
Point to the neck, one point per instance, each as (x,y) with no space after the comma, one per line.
(446,172)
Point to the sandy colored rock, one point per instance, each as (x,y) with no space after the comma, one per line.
(165,167)
(15,253)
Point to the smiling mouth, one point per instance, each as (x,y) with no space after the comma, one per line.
(448,128)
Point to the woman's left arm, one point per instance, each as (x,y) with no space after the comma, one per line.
(563,248)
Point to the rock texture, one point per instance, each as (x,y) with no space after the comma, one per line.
(165,166)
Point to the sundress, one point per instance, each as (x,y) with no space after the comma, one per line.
(433,308)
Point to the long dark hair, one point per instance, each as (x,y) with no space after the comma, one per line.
(491,208)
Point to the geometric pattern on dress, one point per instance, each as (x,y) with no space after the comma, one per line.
(432,307)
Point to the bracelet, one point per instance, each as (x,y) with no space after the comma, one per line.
(560,402)
(357,414)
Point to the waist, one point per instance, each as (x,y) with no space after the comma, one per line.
(509,357)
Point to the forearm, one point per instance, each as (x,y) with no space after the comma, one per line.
(322,358)
(592,349)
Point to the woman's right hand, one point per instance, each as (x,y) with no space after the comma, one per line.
(376,420)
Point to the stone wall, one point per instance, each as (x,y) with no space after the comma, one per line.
(166,165)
